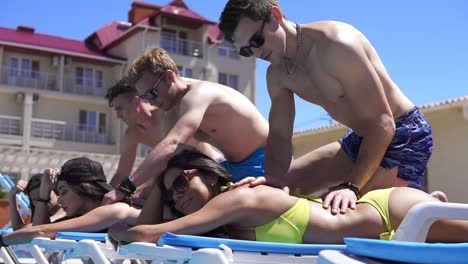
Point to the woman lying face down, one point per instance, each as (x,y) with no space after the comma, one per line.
(81,186)
(192,184)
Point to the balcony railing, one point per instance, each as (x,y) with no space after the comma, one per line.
(181,46)
(29,79)
(55,129)
(59,130)
(38,80)
(11,125)
(84,86)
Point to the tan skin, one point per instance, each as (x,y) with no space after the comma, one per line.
(244,207)
(339,70)
(208,112)
(87,216)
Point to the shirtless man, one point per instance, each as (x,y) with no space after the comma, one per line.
(146,124)
(207,111)
(333,65)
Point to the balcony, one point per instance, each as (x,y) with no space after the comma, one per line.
(11,125)
(38,80)
(180,46)
(84,86)
(45,129)
(60,130)
(29,79)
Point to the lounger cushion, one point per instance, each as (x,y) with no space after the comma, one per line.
(414,252)
(243,245)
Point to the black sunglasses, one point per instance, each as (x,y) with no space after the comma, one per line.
(181,183)
(152,94)
(256,41)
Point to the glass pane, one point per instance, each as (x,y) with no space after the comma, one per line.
(102,123)
(92,121)
(233,81)
(83,118)
(99,83)
(79,76)
(88,77)
(13,67)
(35,70)
(25,68)
(188,73)
(222,78)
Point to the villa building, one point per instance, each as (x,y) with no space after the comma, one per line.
(52,105)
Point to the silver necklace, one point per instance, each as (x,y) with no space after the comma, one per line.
(298,47)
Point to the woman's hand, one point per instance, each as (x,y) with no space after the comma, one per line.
(47,183)
(19,187)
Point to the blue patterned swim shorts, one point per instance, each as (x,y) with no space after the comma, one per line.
(410,148)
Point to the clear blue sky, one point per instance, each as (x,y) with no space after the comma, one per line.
(423,43)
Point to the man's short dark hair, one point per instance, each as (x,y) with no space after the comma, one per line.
(124,86)
(234,9)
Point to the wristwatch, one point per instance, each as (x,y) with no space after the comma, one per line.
(126,187)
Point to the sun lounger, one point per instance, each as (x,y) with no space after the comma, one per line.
(408,244)
(197,249)
(70,245)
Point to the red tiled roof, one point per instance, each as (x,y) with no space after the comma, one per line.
(424,108)
(179,9)
(111,31)
(214,34)
(46,41)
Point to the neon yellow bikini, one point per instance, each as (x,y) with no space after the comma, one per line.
(290,226)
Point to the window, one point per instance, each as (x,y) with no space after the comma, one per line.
(185,72)
(229,80)
(92,122)
(168,41)
(28,69)
(99,80)
(79,76)
(226,49)
(13,72)
(88,77)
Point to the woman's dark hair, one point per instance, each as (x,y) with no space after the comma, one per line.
(192,159)
(88,189)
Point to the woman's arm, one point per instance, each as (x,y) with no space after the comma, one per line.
(41,213)
(95,220)
(226,208)
(17,221)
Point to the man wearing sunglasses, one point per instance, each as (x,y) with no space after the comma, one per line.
(146,124)
(333,65)
(209,112)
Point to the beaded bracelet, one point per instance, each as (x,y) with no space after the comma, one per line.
(348,185)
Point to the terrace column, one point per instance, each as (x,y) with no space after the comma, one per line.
(60,74)
(1,59)
(27,120)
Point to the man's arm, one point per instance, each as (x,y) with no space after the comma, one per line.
(348,62)
(281,120)
(127,157)
(192,110)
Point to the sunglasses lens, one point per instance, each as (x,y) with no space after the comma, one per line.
(257,42)
(180,184)
(245,51)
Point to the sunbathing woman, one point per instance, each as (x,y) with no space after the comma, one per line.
(81,186)
(264,213)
